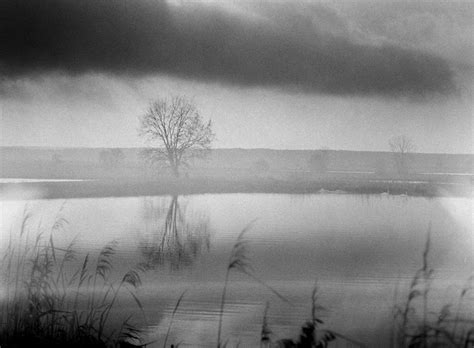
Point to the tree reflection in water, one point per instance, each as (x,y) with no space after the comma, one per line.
(178,242)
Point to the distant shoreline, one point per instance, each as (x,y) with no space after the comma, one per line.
(170,186)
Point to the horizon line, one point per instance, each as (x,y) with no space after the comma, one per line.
(222,148)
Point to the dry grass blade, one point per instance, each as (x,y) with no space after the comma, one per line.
(172,316)
(270,288)
(60,221)
(240,261)
(104,264)
(348,339)
(132,277)
(265,332)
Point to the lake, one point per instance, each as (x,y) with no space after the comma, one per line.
(363,251)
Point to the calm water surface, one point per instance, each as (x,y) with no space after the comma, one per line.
(362,250)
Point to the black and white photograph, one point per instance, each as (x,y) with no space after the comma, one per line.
(236,173)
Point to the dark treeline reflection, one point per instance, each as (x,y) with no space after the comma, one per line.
(173,238)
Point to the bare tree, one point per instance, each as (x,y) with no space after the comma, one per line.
(176,129)
(401,146)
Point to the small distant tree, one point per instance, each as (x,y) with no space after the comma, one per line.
(401,146)
(176,130)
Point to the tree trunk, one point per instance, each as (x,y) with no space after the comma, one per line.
(175,170)
(173,164)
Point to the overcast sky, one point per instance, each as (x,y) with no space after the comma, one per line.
(284,75)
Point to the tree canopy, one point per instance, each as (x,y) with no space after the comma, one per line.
(176,131)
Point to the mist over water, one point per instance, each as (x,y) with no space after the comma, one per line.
(231,173)
(362,249)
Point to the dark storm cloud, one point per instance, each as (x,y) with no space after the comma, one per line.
(203,42)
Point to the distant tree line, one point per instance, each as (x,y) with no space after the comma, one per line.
(111,158)
(319,161)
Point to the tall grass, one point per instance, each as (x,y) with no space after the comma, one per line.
(418,326)
(239,261)
(312,333)
(53,296)
(178,302)
(45,302)
(266,332)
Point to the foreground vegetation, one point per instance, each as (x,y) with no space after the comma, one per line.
(48,301)
(417,325)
